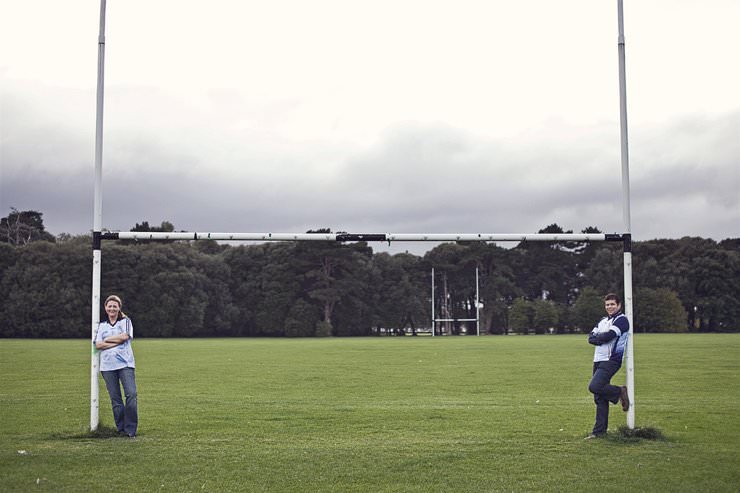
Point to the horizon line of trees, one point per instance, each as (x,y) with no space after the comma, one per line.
(304,289)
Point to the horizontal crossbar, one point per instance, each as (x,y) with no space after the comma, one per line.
(389,237)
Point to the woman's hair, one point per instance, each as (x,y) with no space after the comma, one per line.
(115,298)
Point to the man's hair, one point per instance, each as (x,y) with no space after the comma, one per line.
(613,296)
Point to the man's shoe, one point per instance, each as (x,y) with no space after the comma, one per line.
(592,436)
(624,398)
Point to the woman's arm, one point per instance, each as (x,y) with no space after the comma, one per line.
(117,339)
(102,345)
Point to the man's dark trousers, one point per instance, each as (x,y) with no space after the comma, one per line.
(603,392)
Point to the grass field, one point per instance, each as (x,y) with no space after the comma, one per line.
(414,414)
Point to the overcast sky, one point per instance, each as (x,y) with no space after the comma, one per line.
(402,116)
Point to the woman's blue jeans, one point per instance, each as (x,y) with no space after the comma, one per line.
(126,415)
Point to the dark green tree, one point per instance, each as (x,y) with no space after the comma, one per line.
(164,227)
(548,269)
(588,309)
(497,281)
(454,283)
(332,275)
(658,310)
(46,292)
(716,280)
(521,316)
(605,272)
(170,289)
(545,316)
(353,315)
(23,227)
(401,291)
(302,319)
(279,286)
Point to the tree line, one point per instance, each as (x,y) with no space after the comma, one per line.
(303,289)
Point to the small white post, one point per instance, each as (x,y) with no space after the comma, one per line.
(97,222)
(434,323)
(477,304)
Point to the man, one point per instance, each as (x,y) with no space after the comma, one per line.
(610,338)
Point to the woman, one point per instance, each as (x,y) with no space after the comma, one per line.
(117,365)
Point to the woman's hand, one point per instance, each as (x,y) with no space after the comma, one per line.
(112,341)
(117,339)
(103,345)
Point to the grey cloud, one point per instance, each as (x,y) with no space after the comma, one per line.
(417,178)
(699,157)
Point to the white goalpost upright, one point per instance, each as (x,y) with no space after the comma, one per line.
(99,236)
(97,221)
(630,377)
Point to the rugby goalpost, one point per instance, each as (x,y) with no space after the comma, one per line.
(99,236)
(477,308)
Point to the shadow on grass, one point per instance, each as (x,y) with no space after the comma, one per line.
(626,435)
(103,432)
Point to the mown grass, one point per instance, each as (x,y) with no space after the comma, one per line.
(463,414)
